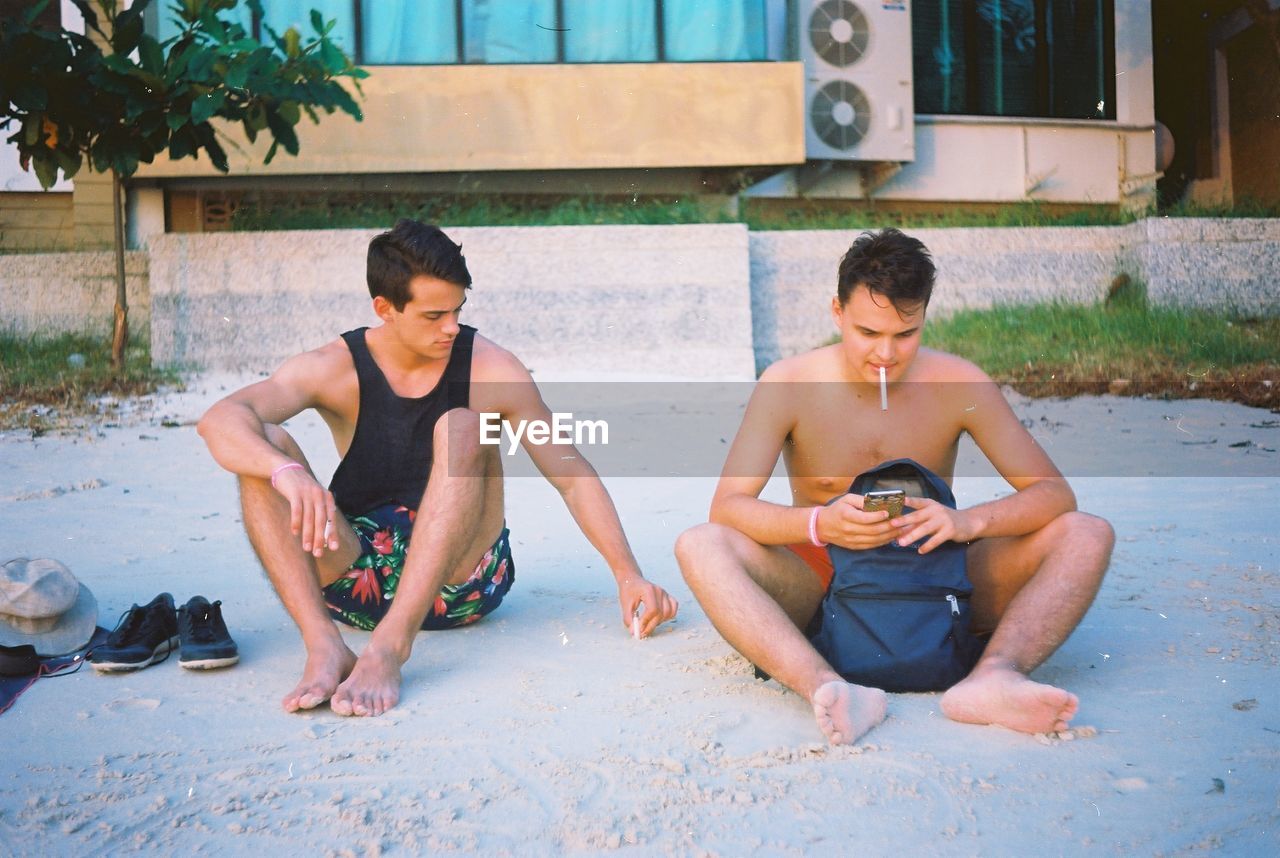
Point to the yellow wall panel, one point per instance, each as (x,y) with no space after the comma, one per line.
(546,117)
(38,220)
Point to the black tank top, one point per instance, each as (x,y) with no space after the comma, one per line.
(390,455)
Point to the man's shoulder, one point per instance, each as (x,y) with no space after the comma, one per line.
(334,353)
(934,365)
(319,364)
(492,362)
(814,365)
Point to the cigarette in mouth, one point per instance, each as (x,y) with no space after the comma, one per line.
(884,392)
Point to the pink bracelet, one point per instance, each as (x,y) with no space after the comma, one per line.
(287,466)
(813,528)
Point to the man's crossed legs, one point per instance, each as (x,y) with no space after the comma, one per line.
(1031,590)
(458,521)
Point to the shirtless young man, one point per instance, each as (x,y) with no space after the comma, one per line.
(411,535)
(1034,561)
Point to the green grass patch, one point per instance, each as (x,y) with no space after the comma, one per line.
(763,214)
(44,385)
(1244,207)
(381,211)
(1123,347)
(265,211)
(257,211)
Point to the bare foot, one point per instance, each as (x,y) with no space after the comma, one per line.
(373,686)
(1006,697)
(846,711)
(325,668)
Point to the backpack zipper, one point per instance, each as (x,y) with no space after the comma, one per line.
(952,599)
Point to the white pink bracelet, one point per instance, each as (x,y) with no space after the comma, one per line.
(287,466)
(813,528)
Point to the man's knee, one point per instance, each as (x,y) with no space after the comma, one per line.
(456,438)
(698,543)
(1081,528)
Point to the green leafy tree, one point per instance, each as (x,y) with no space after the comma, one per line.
(115,97)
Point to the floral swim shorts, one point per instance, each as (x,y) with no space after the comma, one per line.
(363,594)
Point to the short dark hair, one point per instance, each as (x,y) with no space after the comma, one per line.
(411,249)
(889,263)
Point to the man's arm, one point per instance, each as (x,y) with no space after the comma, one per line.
(752,457)
(234,429)
(1042,493)
(515,396)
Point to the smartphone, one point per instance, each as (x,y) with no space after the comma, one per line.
(890,499)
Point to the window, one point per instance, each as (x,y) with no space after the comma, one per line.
(713,29)
(397,32)
(1041,58)
(280,15)
(510,31)
(619,31)
(612,31)
(408,31)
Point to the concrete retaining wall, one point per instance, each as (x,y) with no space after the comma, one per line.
(641,299)
(1212,263)
(793,275)
(1224,264)
(54,293)
(712,301)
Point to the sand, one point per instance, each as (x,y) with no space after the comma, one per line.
(547,729)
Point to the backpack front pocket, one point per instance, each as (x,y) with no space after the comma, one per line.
(898,642)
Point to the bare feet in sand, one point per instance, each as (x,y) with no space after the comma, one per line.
(845,711)
(373,686)
(1003,696)
(324,670)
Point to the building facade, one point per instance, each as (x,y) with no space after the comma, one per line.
(927,103)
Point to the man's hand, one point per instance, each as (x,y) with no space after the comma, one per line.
(311,510)
(659,605)
(845,523)
(937,521)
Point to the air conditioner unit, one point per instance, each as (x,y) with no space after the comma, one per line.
(859,104)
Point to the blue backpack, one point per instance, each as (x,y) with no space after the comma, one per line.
(894,618)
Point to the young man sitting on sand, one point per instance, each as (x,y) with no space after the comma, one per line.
(411,533)
(759,570)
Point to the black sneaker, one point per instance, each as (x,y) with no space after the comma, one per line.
(144,636)
(205,642)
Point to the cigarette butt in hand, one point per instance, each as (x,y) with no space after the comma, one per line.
(635,624)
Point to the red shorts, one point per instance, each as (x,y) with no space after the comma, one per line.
(817,559)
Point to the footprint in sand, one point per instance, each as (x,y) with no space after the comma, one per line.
(132,704)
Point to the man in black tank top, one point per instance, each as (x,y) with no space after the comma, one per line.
(411,533)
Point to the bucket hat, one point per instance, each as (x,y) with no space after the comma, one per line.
(44,605)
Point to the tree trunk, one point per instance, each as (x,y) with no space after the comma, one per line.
(120,335)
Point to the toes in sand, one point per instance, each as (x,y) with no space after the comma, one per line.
(372,688)
(1008,698)
(320,678)
(845,712)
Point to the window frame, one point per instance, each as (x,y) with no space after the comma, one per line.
(974,86)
